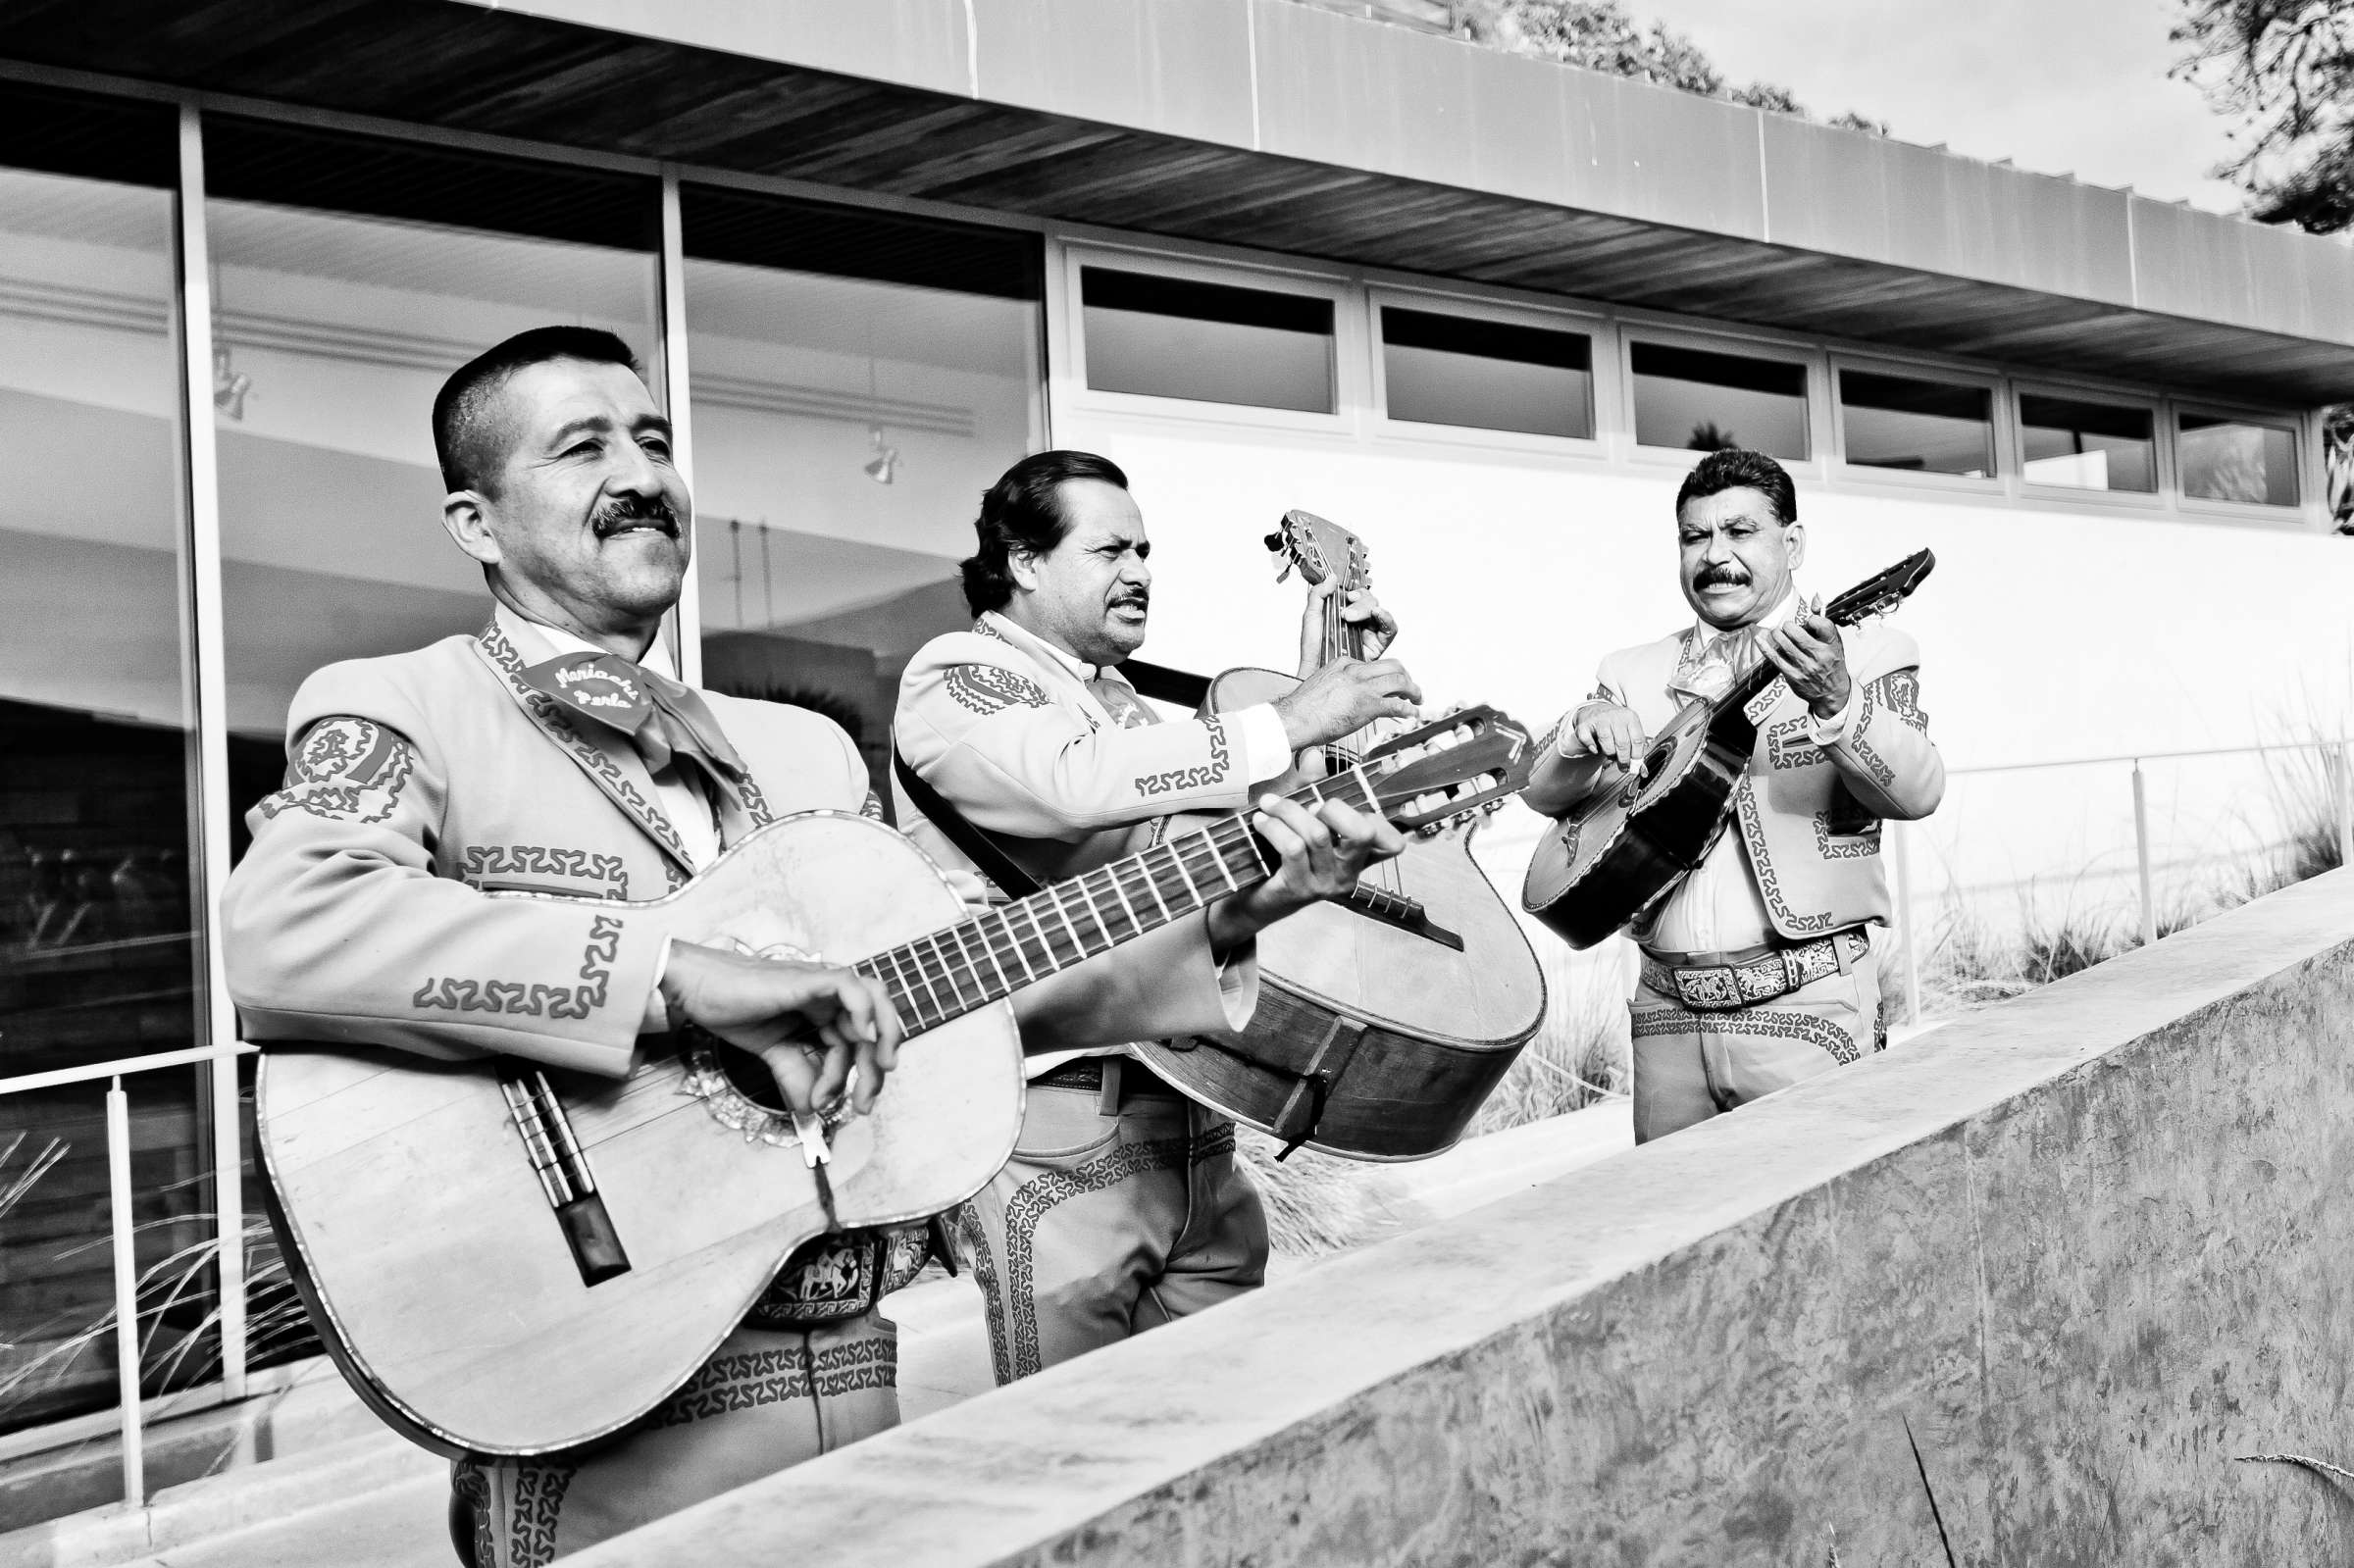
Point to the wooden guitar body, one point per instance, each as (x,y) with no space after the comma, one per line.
(425,1244)
(1372,1041)
(1614,857)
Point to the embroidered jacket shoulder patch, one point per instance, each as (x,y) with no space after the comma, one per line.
(987,689)
(347,769)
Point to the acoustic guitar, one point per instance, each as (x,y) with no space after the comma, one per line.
(1627,845)
(1385,1021)
(509,1260)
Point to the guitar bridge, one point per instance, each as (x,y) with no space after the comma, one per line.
(563,1172)
(1405,914)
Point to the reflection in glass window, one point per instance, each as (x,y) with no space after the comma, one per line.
(1489,375)
(858,381)
(2236,459)
(2085,445)
(1212,342)
(335,326)
(97,908)
(1926,426)
(1704,401)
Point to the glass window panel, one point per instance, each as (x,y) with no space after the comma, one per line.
(97,906)
(1702,401)
(1926,426)
(848,411)
(2236,459)
(1491,375)
(2086,445)
(1212,342)
(334,328)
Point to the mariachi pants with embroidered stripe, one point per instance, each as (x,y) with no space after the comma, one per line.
(1102,1226)
(1690,1065)
(768,1399)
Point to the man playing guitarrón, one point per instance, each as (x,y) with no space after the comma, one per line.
(1756,973)
(1026,754)
(556,752)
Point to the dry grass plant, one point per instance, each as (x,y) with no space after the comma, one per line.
(1318,1204)
(179,1313)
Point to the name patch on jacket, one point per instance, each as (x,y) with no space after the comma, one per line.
(347,770)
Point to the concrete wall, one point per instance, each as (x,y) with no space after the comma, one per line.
(2090,1247)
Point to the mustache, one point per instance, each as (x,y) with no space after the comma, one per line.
(1141,598)
(627,511)
(1731,577)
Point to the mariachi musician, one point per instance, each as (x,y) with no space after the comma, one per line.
(1025,754)
(557,752)
(1757,971)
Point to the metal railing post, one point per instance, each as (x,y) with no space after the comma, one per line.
(2141,855)
(1901,835)
(127,1293)
(2346,802)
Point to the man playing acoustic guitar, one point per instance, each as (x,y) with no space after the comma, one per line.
(557,752)
(1025,754)
(1756,973)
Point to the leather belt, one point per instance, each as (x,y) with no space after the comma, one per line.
(1718,983)
(1087,1074)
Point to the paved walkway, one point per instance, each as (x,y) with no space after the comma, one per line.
(377,1503)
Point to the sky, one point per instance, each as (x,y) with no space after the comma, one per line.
(2058,86)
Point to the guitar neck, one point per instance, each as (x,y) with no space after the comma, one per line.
(966,967)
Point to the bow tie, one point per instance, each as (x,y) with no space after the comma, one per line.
(1713,673)
(665,719)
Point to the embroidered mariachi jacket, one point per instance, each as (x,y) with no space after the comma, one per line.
(1810,815)
(1005,730)
(418,782)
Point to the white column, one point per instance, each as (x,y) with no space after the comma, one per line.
(211,716)
(687,623)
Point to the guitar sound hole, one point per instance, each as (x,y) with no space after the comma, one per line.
(749,1075)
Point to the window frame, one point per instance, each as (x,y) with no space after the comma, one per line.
(1999,428)
(1811,358)
(1598,332)
(1347,338)
(2304,512)
(2161,457)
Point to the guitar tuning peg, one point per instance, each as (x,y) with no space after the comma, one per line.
(1286,573)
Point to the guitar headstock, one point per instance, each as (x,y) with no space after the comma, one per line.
(1449,768)
(1880,593)
(1320,550)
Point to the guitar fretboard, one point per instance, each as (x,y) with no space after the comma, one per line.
(952,972)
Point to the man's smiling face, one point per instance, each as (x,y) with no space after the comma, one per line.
(587,510)
(1736,556)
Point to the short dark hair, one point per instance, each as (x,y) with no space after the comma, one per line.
(462,426)
(1736,469)
(1023,511)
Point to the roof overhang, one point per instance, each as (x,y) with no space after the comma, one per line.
(1283,128)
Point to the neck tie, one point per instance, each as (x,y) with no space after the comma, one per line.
(665,719)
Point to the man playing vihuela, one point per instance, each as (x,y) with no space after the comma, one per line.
(1756,970)
(1023,753)
(420,784)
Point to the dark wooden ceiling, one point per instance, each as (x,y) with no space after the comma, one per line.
(433,63)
